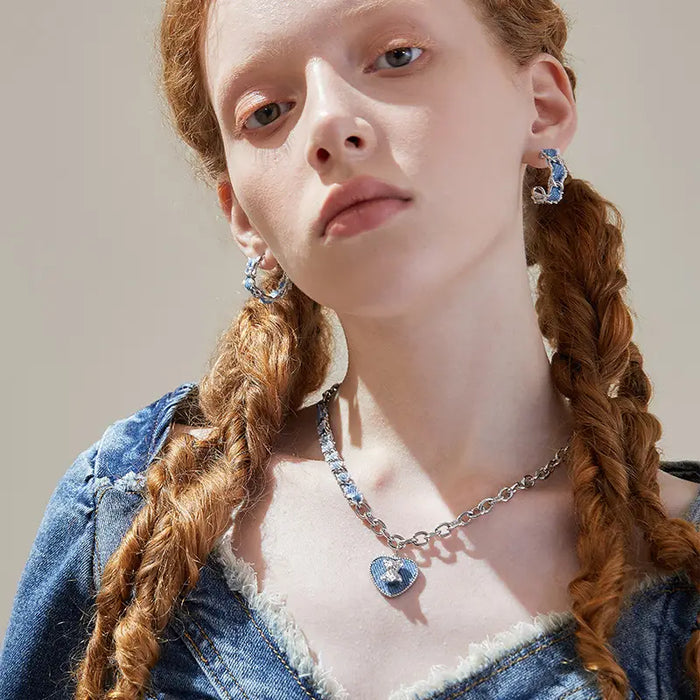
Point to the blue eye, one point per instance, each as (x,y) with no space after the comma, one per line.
(268,113)
(398,55)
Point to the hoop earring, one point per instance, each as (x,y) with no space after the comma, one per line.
(249,283)
(555,191)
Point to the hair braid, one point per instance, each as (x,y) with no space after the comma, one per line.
(613,458)
(614,461)
(257,378)
(584,317)
(673,542)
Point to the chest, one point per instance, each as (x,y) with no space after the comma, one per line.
(307,546)
(375,645)
(472,585)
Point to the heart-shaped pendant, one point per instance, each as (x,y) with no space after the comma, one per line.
(393,575)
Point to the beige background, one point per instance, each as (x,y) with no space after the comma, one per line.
(117,271)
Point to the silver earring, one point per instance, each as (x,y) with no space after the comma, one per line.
(555,191)
(249,283)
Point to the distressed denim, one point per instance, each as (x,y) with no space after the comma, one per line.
(228,640)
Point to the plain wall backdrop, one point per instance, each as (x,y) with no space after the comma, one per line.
(118,270)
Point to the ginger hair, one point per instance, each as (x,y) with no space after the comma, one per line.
(274,355)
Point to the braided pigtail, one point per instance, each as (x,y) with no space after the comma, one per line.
(582,314)
(257,378)
(613,460)
(674,543)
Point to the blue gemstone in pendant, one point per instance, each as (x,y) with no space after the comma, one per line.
(550,152)
(393,575)
(343,477)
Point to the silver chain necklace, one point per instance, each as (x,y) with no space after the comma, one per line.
(393,574)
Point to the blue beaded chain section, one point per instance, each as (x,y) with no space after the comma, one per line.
(330,451)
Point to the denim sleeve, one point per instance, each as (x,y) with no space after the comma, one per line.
(51,615)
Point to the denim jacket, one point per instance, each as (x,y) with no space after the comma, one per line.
(229,641)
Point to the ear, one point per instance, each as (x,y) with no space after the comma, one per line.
(555,116)
(248,239)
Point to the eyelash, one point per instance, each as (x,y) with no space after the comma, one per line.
(240,129)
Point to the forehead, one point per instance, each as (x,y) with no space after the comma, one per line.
(242,34)
(255,22)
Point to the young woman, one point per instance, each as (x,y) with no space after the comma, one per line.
(399,166)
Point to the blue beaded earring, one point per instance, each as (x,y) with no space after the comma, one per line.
(249,283)
(555,191)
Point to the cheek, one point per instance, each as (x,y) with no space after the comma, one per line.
(473,150)
(260,196)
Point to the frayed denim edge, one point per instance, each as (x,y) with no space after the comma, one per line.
(241,576)
(480,655)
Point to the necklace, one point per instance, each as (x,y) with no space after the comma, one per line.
(393,574)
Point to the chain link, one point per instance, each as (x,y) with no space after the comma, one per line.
(421,538)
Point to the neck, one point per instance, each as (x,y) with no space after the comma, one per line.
(456,388)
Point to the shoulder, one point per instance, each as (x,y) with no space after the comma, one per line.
(130,444)
(126,449)
(88,512)
(95,501)
(102,490)
(679,486)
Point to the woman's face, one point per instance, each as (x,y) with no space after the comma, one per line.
(447,119)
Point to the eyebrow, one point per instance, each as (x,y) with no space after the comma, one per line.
(344,15)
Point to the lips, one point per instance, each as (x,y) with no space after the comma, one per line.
(364,216)
(360,189)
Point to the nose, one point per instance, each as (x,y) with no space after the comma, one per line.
(337,130)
